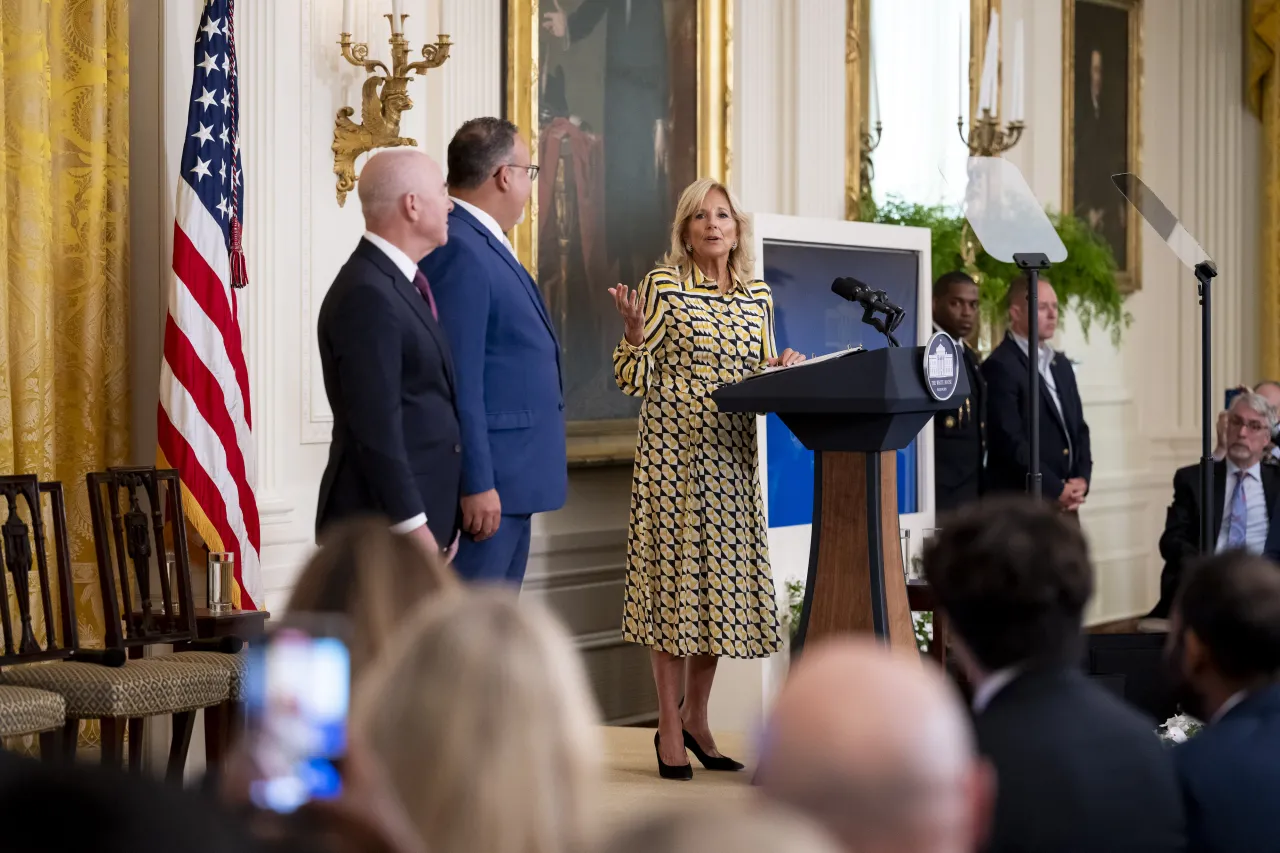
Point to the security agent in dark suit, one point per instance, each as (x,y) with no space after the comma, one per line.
(959,435)
(388,373)
(1245,494)
(1224,651)
(1066,462)
(1077,769)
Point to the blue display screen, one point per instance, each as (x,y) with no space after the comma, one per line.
(811,319)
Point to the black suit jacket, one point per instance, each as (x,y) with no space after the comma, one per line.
(1064,439)
(1076,770)
(1230,778)
(388,373)
(1181,538)
(959,442)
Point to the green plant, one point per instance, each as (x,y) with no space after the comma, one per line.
(1085,282)
(922,623)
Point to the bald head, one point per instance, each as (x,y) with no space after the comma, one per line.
(404,199)
(878,749)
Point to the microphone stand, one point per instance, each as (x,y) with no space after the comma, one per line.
(1033,263)
(1205,273)
(885,328)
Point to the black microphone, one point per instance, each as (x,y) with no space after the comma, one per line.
(856,291)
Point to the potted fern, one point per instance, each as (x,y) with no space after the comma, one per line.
(1085,282)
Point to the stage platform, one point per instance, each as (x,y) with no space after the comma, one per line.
(633,787)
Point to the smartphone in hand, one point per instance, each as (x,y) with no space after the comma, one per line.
(298,693)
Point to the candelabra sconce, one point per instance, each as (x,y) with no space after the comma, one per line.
(987,138)
(870,141)
(384,97)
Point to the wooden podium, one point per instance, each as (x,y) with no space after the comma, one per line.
(854,411)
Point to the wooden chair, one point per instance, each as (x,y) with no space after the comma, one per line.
(27,710)
(102,684)
(176,623)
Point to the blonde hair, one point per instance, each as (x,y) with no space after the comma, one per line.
(372,576)
(742,260)
(484,726)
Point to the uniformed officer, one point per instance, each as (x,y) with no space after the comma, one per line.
(959,435)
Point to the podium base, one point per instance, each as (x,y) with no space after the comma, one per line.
(856,582)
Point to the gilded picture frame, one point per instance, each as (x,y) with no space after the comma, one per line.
(611,441)
(858,50)
(1089,93)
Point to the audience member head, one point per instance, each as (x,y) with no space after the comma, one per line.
(1269,390)
(1014,577)
(405,201)
(878,750)
(481,720)
(372,576)
(1015,302)
(759,828)
(489,166)
(955,303)
(1225,632)
(1250,422)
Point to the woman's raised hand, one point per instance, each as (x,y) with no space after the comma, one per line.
(628,305)
(788,358)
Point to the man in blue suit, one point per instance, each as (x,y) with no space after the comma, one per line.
(1224,650)
(506,356)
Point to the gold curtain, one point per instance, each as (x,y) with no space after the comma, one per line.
(1262,94)
(64,304)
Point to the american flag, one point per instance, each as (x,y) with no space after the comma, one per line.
(204,420)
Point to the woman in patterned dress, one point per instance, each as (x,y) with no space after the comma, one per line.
(698,579)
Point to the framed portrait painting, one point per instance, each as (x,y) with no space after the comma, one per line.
(1101,96)
(624,103)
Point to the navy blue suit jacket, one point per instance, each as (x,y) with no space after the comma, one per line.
(507,359)
(1008,450)
(1230,778)
(388,373)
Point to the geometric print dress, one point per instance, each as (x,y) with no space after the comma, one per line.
(698,576)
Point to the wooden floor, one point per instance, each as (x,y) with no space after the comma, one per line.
(633,787)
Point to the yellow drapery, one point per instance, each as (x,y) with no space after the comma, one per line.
(64,303)
(1262,94)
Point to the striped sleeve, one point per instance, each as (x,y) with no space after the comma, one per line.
(633,366)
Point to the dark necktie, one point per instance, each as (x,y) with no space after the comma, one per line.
(420,282)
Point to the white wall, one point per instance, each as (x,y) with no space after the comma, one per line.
(788,157)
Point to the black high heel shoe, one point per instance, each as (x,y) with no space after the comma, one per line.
(679,772)
(711,762)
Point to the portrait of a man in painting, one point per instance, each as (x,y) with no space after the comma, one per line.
(1101,87)
(617,115)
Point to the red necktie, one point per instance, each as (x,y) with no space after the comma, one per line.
(420,282)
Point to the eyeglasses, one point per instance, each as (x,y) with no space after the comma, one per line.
(531,169)
(1253,426)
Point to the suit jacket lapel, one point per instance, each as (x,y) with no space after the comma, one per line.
(411,295)
(1219,492)
(1270,487)
(531,288)
(1044,388)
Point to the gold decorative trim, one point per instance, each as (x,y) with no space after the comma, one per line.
(522,108)
(611,442)
(1130,279)
(856,99)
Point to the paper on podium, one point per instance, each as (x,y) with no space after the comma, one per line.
(1005,215)
(1161,219)
(814,360)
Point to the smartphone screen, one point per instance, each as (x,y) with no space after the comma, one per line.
(1232,393)
(299,690)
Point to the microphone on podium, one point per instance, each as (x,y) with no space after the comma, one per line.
(873,301)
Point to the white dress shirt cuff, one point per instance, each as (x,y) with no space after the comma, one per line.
(410,524)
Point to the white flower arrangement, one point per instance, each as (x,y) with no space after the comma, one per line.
(789,616)
(1178,729)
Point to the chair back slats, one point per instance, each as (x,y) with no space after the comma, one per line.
(25,548)
(130,541)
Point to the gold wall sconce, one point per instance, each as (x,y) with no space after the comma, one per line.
(384,97)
